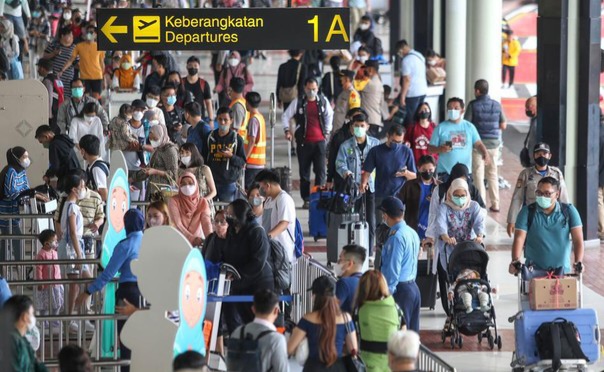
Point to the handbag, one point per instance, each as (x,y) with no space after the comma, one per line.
(352,361)
(164,191)
(288,94)
(525,156)
(302,352)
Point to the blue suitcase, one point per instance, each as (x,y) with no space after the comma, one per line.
(317,214)
(527,322)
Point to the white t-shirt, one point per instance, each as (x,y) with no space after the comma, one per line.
(414,66)
(99,176)
(280,209)
(73,209)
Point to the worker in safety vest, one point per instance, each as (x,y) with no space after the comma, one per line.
(255,140)
(238,106)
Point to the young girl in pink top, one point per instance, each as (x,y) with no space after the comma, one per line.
(49,298)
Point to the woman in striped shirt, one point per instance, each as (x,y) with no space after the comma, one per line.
(13,180)
(59,52)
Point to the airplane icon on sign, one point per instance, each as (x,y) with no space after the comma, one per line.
(143,25)
(147,29)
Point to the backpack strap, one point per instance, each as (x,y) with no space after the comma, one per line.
(264,333)
(532,209)
(556,346)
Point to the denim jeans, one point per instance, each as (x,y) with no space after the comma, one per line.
(226,192)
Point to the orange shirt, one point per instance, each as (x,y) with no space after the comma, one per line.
(90,60)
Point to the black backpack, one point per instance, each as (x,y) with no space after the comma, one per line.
(243,353)
(558,340)
(532,209)
(104,166)
(278,259)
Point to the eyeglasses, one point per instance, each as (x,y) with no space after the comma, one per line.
(546,194)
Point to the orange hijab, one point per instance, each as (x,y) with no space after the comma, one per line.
(126,77)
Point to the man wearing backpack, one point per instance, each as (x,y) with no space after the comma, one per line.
(199,89)
(542,229)
(54,86)
(97,170)
(265,349)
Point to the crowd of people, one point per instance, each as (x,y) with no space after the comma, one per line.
(425,183)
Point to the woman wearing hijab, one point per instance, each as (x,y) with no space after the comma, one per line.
(125,77)
(234,68)
(190,212)
(124,253)
(163,165)
(14,183)
(459,219)
(10,43)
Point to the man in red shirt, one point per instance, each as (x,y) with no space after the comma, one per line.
(313,116)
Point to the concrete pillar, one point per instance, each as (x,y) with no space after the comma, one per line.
(484,46)
(572,88)
(455,19)
(437,24)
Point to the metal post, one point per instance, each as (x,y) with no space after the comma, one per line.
(272,118)
(455,15)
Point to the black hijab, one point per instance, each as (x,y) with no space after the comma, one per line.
(460,170)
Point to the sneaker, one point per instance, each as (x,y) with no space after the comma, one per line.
(73,327)
(485,308)
(306,205)
(468,311)
(293,151)
(89,326)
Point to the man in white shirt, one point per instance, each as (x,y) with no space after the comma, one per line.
(279,217)
(414,85)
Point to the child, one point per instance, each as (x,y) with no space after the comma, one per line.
(465,291)
(49,298)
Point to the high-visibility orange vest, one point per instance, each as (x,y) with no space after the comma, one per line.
(258,155)
(243,129)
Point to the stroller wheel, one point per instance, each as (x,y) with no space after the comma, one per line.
(459,341)
(452,342)
(479,337)
(498,342)
(491,340)
(443,336)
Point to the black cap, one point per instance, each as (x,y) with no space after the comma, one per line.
(42,129)
(348,73)
(139,103)
(45,63)
(323,286)
(541,146)
(373,64)
(392,206)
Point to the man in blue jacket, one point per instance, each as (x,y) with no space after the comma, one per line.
(399,261)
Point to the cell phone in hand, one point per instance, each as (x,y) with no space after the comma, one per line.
(402,170)
(449,143)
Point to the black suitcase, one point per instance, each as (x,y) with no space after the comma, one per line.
(285,174)
(427,283)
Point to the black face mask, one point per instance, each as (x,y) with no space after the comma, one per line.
(426,176)
(424,115)
(542,161)
(529,114)
(192,71)
(231,221)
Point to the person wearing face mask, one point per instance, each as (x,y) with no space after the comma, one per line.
(238,106)
(414,85)
(352,155)
(542,231)
(49,298)
(393,163)
(159,76)
(530,140)
(173,114)
(399,261)
(458,219)
(19,318)
(216,243)
(91,62)
(153,98)
(62,157)
(126,77)
(224,153)
(331,86)
(14,183)
(87,122)
(234,68)
(163,164)
(454,140)
(190,212)
(364,35)
(39,32)
(526,185)
(157,214)
(416,196)
(347,100)
(255,141)
(349,269)
(59,52)
(199,88)
(121,139)
(313,117)
(70,108)
(358,66)
(419,134)
(54,86)
(372,98)
(134,154)
(256,200)
(338,137)
(488,117)
(195,130)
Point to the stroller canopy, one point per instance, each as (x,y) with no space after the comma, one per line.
(468,255)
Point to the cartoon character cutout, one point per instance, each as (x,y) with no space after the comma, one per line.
(192,305)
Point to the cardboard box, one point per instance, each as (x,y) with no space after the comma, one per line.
(436,75)
(553,294)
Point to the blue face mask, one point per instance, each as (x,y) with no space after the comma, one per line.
(171,100)
(544,202)
(224,128)
(460,201)
(395,146)
(77,92)
(453,114)
(360,132)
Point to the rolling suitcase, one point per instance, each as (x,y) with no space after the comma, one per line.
(334,220)
(285,173)
(353,231)
(528,321)
(317,214)
(426,281)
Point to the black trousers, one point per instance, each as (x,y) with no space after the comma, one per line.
(130,292)
(312,154)
(508,69)
(442,286)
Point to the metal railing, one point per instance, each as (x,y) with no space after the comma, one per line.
(429,361)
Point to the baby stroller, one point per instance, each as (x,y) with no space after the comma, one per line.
(470,255)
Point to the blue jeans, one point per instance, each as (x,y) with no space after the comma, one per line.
(408,298)
(226,192)
(15,244)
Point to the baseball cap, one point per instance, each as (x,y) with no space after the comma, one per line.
(323,286)
(541,146)
(348,73)
(392,206)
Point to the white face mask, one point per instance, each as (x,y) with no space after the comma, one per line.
(82,194)
(155,144)
(338,270)
(152,102)
(233,62)
(154,222)
(363,59)
(32,323)
(67,16)
(25,163)
(432,62)
(364,26)
(137,115)
(186,160)
(188,190)
(89,118)
(154,122)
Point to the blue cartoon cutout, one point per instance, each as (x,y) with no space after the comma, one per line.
(193,294)
(117,204)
